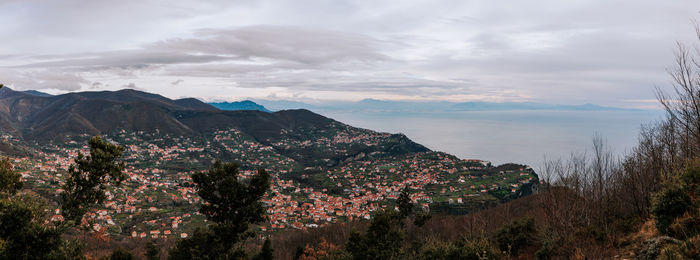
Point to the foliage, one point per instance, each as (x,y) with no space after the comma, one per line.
(548,249)
(689,249)
(387,231)
(89,176)
(669,204)
(152,251)
(228,199)
(404,203)
(420,218)
(10,181)
(382,240)
(265,252)
(120,254)
(324,250)
(23,233)
(685,226)
(459,249)
(202,245)
(232,205)
(551,242)
(516,235)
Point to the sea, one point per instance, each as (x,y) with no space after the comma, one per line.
(522,136)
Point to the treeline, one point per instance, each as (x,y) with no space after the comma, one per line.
(612,196)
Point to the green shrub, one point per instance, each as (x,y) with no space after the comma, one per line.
(120,254)
(381,241)
(548,249)
(516,235)
(591,232)
(684,226)
(460,249)
(691,175)
(670,203)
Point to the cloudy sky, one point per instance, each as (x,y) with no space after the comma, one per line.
(608,52)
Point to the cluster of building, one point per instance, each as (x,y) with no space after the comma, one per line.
(159,198)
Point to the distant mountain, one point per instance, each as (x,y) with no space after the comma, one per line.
(37,93)
(277,105)
(239,105)
(429,106)
(529,106)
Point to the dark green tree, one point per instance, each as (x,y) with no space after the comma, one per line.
(421,218)
(88,178)
(669,204)
(384,237)
(460,249)
(404,203)
(120,254)
(382,240)
(406,207)
(265,252)
(516,235)
(152,251)
(23,232)
(674,199)
(10,181)
(232,205)
(298,253)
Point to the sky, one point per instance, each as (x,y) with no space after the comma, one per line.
(606,52)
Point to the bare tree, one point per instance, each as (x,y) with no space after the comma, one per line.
(683,103)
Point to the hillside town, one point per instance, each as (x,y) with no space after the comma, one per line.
(159,198)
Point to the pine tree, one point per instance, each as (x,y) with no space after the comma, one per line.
(232,205)
(23,231)
(10,181)
(152,251)
(265,252)
(88,178)
(120,254)
(404,203)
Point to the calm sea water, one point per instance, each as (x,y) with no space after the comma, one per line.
(508,136)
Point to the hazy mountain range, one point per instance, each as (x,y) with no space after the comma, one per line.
(391,106)
(369,105)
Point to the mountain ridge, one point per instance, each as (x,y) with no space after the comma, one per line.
(240,105)
(57,118)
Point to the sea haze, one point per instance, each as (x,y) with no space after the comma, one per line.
(523,136)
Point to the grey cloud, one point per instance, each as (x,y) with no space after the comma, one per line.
(132,59)
(177,82)
(133,86)
(274,43)
(571,51)
(42,79)
(280,43)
